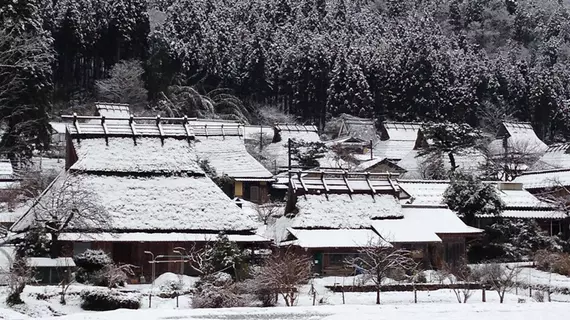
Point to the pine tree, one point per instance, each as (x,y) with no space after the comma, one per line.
(348,91)
(26,84)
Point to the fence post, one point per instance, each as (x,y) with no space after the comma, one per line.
(530,291)
(483,296)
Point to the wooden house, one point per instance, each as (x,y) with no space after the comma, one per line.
(332,215)
(556,157)
(144,177)
(519,203)
(278,150)
(397,139)
(222,145)
(516,138)
(359,128)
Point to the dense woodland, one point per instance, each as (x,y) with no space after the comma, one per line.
(473,61)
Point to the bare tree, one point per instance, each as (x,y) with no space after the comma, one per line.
(268,210)
(378,259)
(20,274)
(125,84)
(344,157)
(117,275)
(500,278)
(18,51)
(508,164)
(68,205)
(462,278)
(66,279)
(283,273)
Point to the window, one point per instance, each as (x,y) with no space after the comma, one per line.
(254,194)
(339,259)
(80,247)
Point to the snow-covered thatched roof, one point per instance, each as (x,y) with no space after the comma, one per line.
(400,131)
(278,151)
(393,149)
(113,110)
(343,211)
(517,137)
(58,127)
(469,160)
(424,192)
(228,155)
(142,155)
(544,179)
(303,182)
(556,157)
(153,203)
(361,128)
(134,128)
(440,220)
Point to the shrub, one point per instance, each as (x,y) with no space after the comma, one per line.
(92,260)
(217,291)
(107,299)
(553,262)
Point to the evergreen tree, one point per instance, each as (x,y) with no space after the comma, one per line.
(348,91)
(470,197)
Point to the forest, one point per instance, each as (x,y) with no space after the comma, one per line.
(466,61)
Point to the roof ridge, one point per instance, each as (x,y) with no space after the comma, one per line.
(544,171)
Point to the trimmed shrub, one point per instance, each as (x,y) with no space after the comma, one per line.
(90,265)
(217,291)
(553,262)
(107,299)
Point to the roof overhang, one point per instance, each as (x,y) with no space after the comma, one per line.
(255,179)
(157,237)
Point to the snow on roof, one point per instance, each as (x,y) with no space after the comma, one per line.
(58,127)
(521,199)
(6,170)
(404,231)
(157,237)
(424,192)
(253,132)
(143,155)
(344,211)
(335,182)
(438,219)
(393,149)
(367,165)
(337,238)
(402,131)
(519,137)
(228,155)
(40,262)
(135,127)
(216,129)
(531,214)
(361,128)
(7,257)
(556,157)
(544,179)
(291,127)
(468,161)
(157,203)
(113,110)
(278,150)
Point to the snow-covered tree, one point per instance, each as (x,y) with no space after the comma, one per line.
(448,138)
(349,91)
(469,196)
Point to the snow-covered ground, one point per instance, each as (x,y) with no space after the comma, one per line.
(489,311)
(43,302)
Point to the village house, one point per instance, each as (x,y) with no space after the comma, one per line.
(144,179)
(278,150)
(332,215)
(397,139)
(516,138)
(222,145)
(363,129)
(519,203)
(556,157)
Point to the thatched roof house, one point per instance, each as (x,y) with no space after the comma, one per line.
(516,138)
(333,214)
(397,140)
(556,157)
(361,128)
(143,175)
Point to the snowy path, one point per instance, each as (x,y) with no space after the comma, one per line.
(490,311)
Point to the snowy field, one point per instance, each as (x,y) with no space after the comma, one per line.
(489,311)
(43,302)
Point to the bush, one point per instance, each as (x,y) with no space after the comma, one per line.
(171,285)
(553,262)
(92,260)
(217,291)
(108,299)
(96,267)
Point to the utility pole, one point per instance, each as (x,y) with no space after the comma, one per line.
(289,154)
(371,151)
